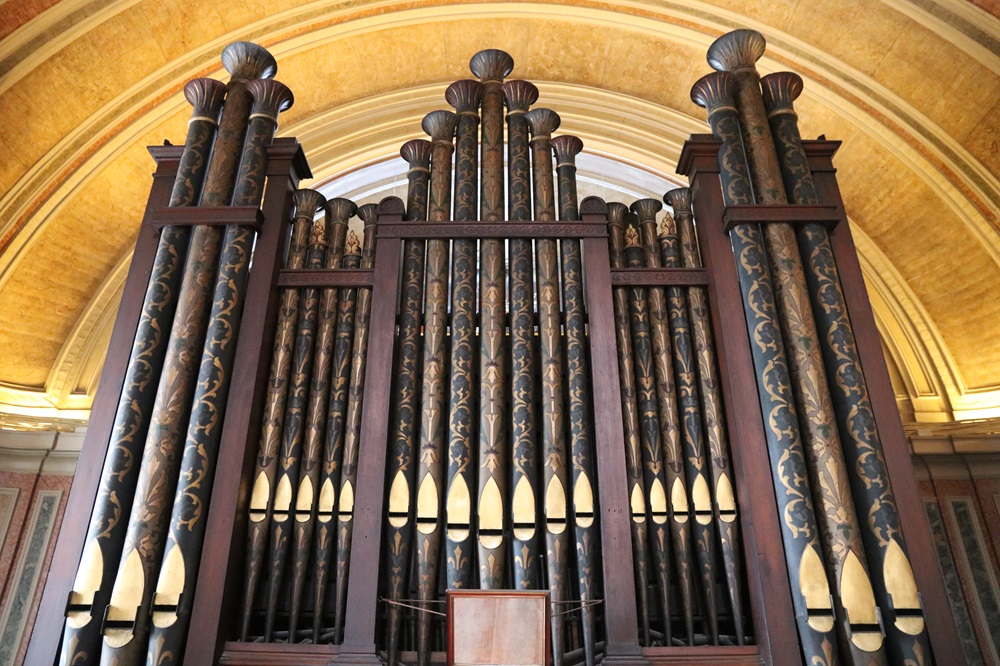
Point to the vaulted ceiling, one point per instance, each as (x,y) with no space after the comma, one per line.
(912,87)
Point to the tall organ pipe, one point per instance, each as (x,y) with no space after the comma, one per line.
(679,248)
(581,434)
(491,66)
(649,427)
(440,125)
(406,411)
(617,214)
(333,446)
(672,350)
(854,599)
(542,123)
(352,423)
(292,453)
(106,533)
(304,210)
(462,434)
(895,587)
(337,214)
(127,622)
(520,95)
(799,529)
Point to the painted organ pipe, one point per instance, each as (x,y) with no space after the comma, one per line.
(689,309)
(262,495)
(175,587)
(334,227)
(617,214)
(440,125)
(220,302)
(106,533)
(289,461)
(588,550)
(676,379)
(325,539)
(462,434)
(305,202)
(520,95)
(649,427)
(406,413)
(894,584)
(542,123)
(857,613)
(799,528)
(491,66)
(352,423)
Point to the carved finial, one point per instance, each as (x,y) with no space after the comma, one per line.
(736,50)
(646,209)
(715,92)
(465,96)
(353,244)
(341,210)
(246,60)
(318,235)
(616,213)
(440,125)
(566,147)
(417,153)
(307,202)
(631,236)
(368,214)
(667,226)
(780,90)
(491,65)
(206,96)
(269,98)
(519,95)
(543,122)
(679,199)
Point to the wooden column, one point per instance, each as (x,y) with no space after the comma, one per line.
(896,449)
(218,593)
(767,576)
(44,645)
(362,589)
(621,621)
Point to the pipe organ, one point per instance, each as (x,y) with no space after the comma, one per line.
(673,422)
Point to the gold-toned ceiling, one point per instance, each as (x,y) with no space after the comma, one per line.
(912,87)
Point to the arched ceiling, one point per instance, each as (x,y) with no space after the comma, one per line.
(912,87)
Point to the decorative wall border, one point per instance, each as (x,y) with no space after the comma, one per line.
(34,547)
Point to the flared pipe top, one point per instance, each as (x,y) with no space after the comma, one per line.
(543,122)
(519,95)
(715,92)
(491,65)
(440,125)
(646,209)
(780,90)
(465,96)
(341,210)
(417,153)
(307,202)
(206,96)
(247,61)
(270,97)
(566,147)
(737,50)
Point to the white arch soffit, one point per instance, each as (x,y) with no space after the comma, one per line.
(646,136)
(172,76)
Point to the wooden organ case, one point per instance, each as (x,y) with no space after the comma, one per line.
(661,422)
